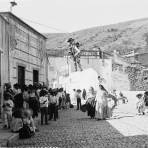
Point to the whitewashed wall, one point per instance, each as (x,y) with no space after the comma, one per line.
(112,80)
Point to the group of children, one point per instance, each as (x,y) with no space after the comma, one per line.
(10,113)
(119,97)
(50,102)
(21,106)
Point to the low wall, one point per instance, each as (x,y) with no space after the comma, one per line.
(120,81)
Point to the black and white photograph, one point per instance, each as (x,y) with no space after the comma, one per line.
(74,73)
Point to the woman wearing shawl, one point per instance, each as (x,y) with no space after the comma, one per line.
(91,103)
(101,104)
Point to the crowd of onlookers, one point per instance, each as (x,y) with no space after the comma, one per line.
(98,103)
(22,106)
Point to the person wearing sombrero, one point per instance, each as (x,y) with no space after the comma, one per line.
(140,104)
(74,51)
(77,55)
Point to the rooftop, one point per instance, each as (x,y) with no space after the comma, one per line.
(14,16)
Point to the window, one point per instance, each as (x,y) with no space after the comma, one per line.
(35,76)
(21,75)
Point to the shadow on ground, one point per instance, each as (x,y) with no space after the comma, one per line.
(75,130)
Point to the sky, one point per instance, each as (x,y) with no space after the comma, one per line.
(56,16)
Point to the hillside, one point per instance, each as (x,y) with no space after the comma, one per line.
(122,37)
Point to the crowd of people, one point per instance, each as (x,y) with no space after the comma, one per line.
(96,103)
(22,106)
(99,103)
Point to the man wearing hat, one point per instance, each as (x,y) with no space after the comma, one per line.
(78,97)
(75,52)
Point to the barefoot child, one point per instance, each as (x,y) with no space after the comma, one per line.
(140,104)
(28,129)
(7,110)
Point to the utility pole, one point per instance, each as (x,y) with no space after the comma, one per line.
(12,4)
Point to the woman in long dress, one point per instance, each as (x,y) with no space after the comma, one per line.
(102,111)
(91,103)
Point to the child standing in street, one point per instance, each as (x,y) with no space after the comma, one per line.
(53,105)
(44,106)
(140,104)
(7,110)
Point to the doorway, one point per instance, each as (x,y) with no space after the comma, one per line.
(35,76)
(21,75)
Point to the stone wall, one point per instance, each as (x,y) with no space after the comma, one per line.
(138,78)
(27,49)
(4,72)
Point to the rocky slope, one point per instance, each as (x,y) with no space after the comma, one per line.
(122,37)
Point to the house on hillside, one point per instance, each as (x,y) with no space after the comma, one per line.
(138,58)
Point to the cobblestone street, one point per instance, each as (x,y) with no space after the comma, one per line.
(75,129)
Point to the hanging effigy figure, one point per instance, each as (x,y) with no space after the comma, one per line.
(71,46)
(74,52)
